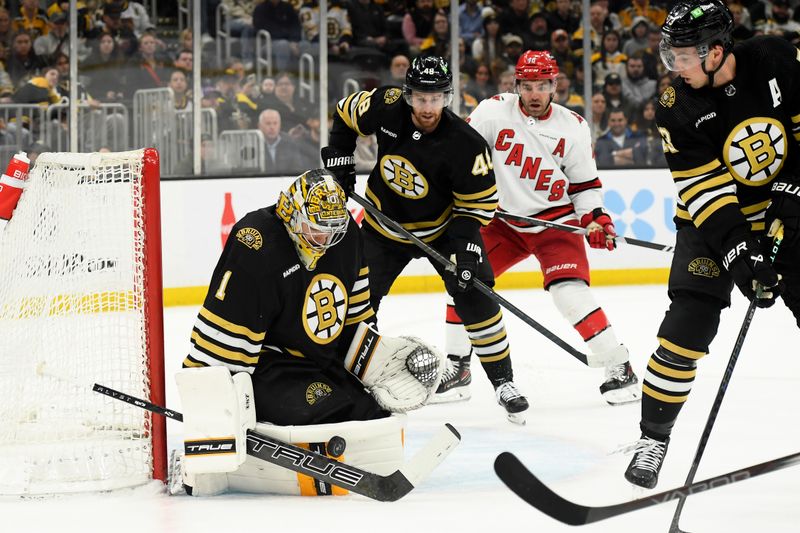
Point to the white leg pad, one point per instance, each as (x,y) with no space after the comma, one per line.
(373,445)
(218,409)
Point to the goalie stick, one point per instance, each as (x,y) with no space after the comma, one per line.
(478,284)
(531,489)
(382,488)
(577,229)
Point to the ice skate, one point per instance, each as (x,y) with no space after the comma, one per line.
(515,404)
(621,385)
(646,463)
(454,386)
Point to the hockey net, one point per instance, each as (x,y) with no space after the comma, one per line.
(81,302)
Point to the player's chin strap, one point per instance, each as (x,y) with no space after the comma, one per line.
(711,74)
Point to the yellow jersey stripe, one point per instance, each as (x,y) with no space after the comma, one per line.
(231,327)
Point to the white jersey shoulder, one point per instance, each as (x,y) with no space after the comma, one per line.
(539,162)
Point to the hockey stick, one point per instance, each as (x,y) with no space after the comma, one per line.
(723,386)
(478,284)
(582,231)
(320,467)
(531,489)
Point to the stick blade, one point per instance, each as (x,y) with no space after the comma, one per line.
(528,487)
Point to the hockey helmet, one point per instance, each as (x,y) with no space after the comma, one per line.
(429,74)
(314,211)
(536,65)
(700,24)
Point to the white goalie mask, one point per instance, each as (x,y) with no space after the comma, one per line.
(314,211)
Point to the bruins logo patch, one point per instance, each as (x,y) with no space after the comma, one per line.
(755,150)
(667,98)
(317,392)
(391,96)
(250,237)
(705,267)
(325,308)
(401,176)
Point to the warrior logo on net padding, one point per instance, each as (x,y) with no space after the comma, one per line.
(401,176)
(755,150)
(325,308)
(705,267)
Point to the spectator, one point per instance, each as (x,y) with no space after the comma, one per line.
(40,89)
(102,68)
(506,82)
(481,86)
(283,155)
(137,18)
(638,40)
(6,87)
(562,18)
(226,106)
(293,109)
(5,27)
(516,18)
(57,39)
(210,162)
(340,33)
(612,90)
(599,118)
(488,46)
(468,100)
(470,22)
(565,96)
(35,149)
(147,69)
(598,25)
(538,35)
(241,26)
(266,91)
(620,147)
(562,53)
(110,21)
(397,71)
(610,59)
(438,42)
(742,30)
(280,19)
(180,90)
(636,87)
(779,20)
(23,61)
(308,140)
(247,102)
(185,61)
(610,18)
(512,48)
(31,19)
(418,24)
(663,82)
(642,8)
(645,125)
(653,66)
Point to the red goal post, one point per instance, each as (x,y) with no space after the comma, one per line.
(81,302)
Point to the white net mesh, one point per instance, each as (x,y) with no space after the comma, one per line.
(72,313)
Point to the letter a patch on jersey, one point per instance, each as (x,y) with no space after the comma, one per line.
(559,151)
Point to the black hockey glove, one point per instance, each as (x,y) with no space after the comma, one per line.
(342,165)
(745,258)
(466,237)
(785,207)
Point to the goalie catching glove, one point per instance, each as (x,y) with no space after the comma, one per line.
(401,372)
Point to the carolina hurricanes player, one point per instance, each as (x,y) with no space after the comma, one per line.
(544,166)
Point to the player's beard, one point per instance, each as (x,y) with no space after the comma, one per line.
(537,108)
(428,122)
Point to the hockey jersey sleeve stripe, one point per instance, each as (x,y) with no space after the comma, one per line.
(706,185)
(575,188)
(484,220)
(678,350)
(208,360)
(697,171)
(796,119)
(343,108)
(221,352)
(359,318)
(188,362)
(491,192)
(231,327)
(359,298)
(425,236)
(706,211)
(222,337)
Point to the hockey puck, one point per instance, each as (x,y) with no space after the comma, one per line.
(336,446)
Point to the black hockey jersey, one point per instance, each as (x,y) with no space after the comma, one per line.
(725,145)
(421,180)
(261,300)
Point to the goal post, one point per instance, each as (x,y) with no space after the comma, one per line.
(81,302)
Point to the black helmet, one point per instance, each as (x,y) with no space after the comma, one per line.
(698,23)
(428,74)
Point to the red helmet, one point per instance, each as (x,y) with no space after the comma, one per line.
(536,65)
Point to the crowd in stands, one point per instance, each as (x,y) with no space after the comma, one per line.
(122,50)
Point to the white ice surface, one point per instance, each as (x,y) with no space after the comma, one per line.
(567,440)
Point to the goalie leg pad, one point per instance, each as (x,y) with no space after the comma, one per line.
(218,409)
(372,445)
(401,372)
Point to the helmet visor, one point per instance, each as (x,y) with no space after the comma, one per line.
(425,100)
(680,59)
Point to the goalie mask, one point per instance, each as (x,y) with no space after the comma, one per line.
(314,211)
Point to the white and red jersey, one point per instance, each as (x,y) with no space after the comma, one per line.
(544,167)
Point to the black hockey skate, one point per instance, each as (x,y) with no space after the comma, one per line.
(646,463)
(454,386)
(621,385)
(512,401)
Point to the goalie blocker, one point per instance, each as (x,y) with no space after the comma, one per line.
(401,373)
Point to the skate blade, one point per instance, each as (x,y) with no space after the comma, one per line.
(629,394)
(517,418)
(459,394)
